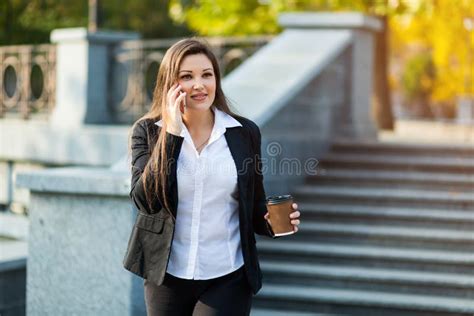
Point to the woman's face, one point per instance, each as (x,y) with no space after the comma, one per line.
(196,77)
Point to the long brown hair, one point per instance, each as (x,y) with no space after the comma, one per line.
(159,162)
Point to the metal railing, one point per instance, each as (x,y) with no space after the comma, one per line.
(27,80)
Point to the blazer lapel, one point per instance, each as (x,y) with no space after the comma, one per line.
(239,148)
(174,143)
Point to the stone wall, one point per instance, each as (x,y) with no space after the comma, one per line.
(298,134)
(80,220)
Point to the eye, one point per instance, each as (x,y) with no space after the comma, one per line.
(208,74)
(185,77)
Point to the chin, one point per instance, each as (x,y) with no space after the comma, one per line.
(200,106)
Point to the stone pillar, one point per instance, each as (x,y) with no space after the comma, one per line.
(362,28)
(80,222)
(82,67)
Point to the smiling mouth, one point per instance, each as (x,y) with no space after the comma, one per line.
(199,97)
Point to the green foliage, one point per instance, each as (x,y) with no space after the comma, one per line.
(31,21)
(148,17)
(223,17)
(248,17)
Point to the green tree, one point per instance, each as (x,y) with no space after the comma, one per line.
(31,21)
(148,17)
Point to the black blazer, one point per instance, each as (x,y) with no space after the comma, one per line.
(150,241)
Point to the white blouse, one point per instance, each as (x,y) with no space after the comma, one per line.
(206,242)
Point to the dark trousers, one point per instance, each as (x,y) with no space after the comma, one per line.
(223,296)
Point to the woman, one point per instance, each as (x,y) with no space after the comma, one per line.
(197,184)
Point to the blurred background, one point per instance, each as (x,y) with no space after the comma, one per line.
(366,109)
(428,44)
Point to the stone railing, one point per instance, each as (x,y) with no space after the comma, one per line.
(135,64)
(27,80)
(28,75)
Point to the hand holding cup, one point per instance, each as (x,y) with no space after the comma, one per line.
(286,216)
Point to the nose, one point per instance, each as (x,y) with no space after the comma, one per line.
(198,85)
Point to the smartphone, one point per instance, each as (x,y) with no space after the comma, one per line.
(183,105)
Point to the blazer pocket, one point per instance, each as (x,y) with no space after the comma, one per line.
(154,239)
(150,223)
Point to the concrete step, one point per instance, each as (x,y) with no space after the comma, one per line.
(276,312)
(387,229)
(392,148)
(394,179)
(369,279)
(288,249)
(384,235)
(366,303)
(392,162)
(385,196)
(375,215)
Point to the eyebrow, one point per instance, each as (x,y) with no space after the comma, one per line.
(191,71)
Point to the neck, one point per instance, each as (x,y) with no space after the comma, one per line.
(198,121)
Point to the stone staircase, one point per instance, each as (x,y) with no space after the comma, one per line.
(387,229)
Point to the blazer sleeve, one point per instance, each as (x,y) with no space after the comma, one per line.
(260,224)
(140,157)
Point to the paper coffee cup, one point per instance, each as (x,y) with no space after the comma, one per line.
(279,209)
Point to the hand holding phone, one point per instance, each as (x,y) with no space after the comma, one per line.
(175,106)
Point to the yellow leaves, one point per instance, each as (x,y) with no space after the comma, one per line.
(438,26)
